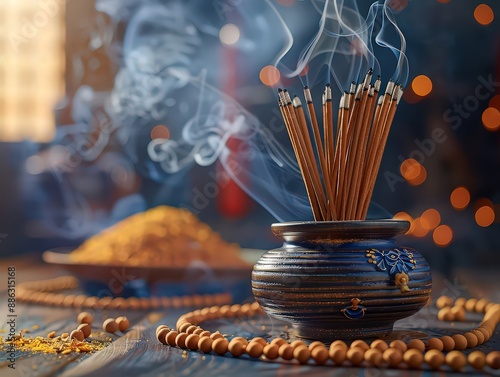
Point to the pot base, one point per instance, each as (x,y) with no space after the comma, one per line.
(328,335)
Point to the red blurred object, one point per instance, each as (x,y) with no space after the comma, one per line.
(232,200)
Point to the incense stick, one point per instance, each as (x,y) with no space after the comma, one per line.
(340,170)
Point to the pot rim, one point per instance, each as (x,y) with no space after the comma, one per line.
(331,231)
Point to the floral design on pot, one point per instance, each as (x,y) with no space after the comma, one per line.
(355,311)
(397,262)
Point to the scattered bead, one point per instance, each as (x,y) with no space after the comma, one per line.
(110,325)
(85,317)
(477,359)
(416,344)
(77,334)
(123,323)
(85,329)
(456,360)
(448,343)
(434,358)
(413,358)
(302,353)
(493,359)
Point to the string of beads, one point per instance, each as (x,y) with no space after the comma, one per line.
(45,292)
(397,354)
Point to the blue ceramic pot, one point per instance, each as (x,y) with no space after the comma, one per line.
(341,279)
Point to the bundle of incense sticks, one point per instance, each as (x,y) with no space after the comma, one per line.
(340,171)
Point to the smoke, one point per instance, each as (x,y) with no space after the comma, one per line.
(172,64)
(176,70)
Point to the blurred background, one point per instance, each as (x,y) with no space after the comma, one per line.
(84,93)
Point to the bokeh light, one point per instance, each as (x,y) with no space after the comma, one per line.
(160,132)
(491,119)
(481,202)
(421,85)
(442,235)
(430,219)
(460,198)
(419,230)
(495,102)
(422,176)
(485,216)
(484,14)
(443,1)
(410,169)
(269,75)
(405,216)
(229,34)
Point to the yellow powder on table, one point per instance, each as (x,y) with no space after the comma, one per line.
(162,236)
(51,345)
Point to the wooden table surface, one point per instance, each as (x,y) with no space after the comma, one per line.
(138,353)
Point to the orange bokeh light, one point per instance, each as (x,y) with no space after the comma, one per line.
(422,176)
(419,230)
(495,102)
(491,119)
(430,219)
(410,169)
(406,217)
(442,235)
(443,1)
(160,132)
(484,14)
(269,75)
(421,85)
(460,198)
(485,216)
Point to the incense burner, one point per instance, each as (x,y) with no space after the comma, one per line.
(341,279)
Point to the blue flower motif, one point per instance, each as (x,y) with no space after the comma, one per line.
(397,261)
